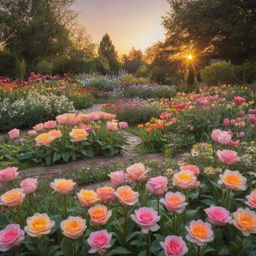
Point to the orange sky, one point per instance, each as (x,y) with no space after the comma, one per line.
(130,23)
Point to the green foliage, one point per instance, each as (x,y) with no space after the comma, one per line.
(44,67)
(218,73)
(245,73)
(103,84)
(142,71)
(9,65)
(81,101)
(133,60)
(130,79)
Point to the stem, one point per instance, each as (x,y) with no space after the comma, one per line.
(149,243)
(65,206)
(158,204)
(41,241)
(74,248)
(174,223)
(126,213)
(241,246)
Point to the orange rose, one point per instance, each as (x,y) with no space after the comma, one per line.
(99,214)
(55,134)
(106,194)
(87,197)
(233,180)
(78,135)
(126,195)
(73,227)
(44,139)
(12,198)
(62,186)
(185,180)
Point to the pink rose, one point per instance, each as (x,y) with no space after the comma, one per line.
(123,125)
(217,215)
(117,178)
(224,138)
(215,134)
(174,202)
(147,219)
(32,132)
(191,168)
(29,185)
(174,246)
(157,185)
(232,121)
(238,100)
(14,133)
(226,122)
(252,118)
(241,134)
(227,156)
(11,236)
(112,125)
(50,124)
(251,199)
(99,241)
(8,174)
(136,172)
(38,127)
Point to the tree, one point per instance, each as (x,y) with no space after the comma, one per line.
(133,60)
(107,51)
(221,29)
(35,29)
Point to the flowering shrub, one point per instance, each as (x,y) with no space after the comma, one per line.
(188,211)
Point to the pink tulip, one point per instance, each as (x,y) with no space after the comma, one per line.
(226,122)
(14,134)
(174,246)
(157,185)
(252,118)
(8,174)
(11,236)
(136,172)
(29,185)
(123,125)
(238,100)
(217,215)
(227,156)
(99,241)
(117,178)
(147,219)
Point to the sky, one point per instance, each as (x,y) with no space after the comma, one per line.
(130,23)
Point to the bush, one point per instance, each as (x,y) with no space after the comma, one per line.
(81,101)
(245,73)
(9,65)
(130,79)
(44,67)
(103,84)
(32,109)
(142,71)
(218,73)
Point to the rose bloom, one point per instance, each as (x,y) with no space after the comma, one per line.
(251,199)
(11,236)
(157,185)
(106,194)
(73,227)
(32,132)
(12,198)
(99,214)
(226,122)
(126,195)
(191,168)
(185,180)
(72,119)
(199,232)
(62,186)
(174,246)
(87,197)
(78,135)
(38,225)
(233,180)
(224,138)
(38,127)
(147,219)
(136,172)
(215,134)
(8,174)
(123,125)
(82,117)
(50,124)
(112,125)
(55,134)
(217,215)
(174,202)
(29,185)
(245,221)
(99,241)
(227,156)
(14,133)
(117,178)
(44,139)
(238,100)
(252,118)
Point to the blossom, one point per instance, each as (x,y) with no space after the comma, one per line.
(174,246)
(38,127)
(44,139)
(238,100)
(55,134)
(62,186)
(185,180)
(50,124)
(78,135)
(227,156)
(251,199)
(106,194)
(217,215)
(233,180)
(112,125)
(157,185)
(174,202)
(99,214)
(245,221)
(73,227)
(99,241)
(28,185)
(199,232)
(126,195)
(252,118)
(38,225)
(191,168)
(123,125)
(12,198)
(32,132)
(14,133)
(11,236)
(87,197)
(215,134)
(226,122)
(117,178)
(147,219)
(136,172)
(8,174)
(222,137)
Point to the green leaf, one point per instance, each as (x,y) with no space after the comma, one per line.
(66,247)
(66,156)
(119,250)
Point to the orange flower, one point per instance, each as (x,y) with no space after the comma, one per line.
(12,198)
(233,180)
(62,186)
(126,195)
(140,126)
(38,225)
(106,194)
(245,221)
(99,214)
(148,130)
(185,180)
(44,139)
(87,197)
(55,134)
(73,227)
(78,135)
